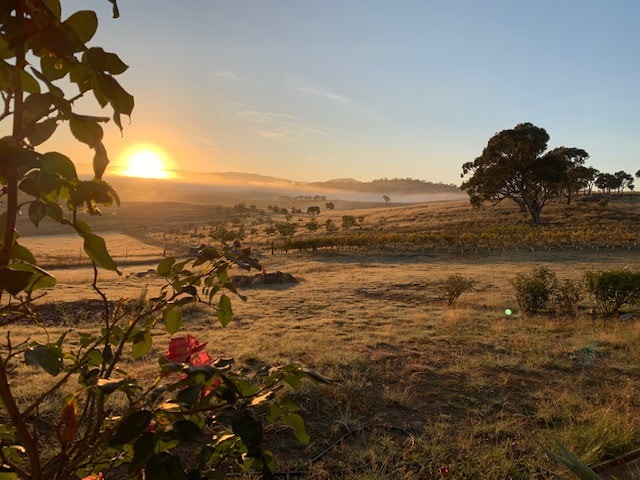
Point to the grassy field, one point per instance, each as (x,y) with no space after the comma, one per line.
(421,389)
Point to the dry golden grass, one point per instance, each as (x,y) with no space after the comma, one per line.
(421,385)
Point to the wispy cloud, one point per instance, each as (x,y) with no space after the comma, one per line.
(327,94)
(232,76)
(279,126)
(315,89)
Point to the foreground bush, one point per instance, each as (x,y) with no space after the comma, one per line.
(96,418)
(535,289)
(611,289)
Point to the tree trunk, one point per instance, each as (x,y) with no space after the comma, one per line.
(535,214)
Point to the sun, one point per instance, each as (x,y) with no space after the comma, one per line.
(146,161)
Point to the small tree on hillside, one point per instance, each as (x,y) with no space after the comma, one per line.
(286,230)
(348,221)
(386,199)
(330,227)
(312,225)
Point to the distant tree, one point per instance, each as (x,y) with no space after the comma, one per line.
(576,175)
(589,178)
(312,225)
(270,231)
(386,199)
(348,221)
(286,230)
(329,205)
(514,165)
(638,174)
(626,180)
(313,210)
(606,182)
(330,227)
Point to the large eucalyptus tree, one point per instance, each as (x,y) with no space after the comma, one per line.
(516,165)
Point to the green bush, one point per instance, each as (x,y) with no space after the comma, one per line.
(566,297)
(611,289)
(454,286)
(534,290)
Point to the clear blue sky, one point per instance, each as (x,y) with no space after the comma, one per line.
(314,90)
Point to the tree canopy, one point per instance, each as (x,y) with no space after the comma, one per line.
(516,165)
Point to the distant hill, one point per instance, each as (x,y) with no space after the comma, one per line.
(229,188)
(407,186)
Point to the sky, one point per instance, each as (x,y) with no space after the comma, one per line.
(365,89)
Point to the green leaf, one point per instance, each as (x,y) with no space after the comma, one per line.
(224,313)
(22,276)
(58,163)
(295,421)
(249,429)
(28,83)
(8,476)
(37,212)
(84,23)
(5,49)
(259,400)
(131,427)
(187,397)
(13,453)
(96,248)
(572,462)
(86,130)
(173,320)
(54,7)
(142,450)
(274,411)
(47,357)
(94,357)
(42,131)
(185,431)
(36,106)
(164,467)
(164,267)
(14,281)
(121,101)
(141,345)
(53,68)
(116,12)
(100,160)
(22,253)
(103,61)
(109,385)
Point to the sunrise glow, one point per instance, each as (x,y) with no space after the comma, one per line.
(146,161)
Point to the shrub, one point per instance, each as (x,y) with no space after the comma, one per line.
(534,290)
(611,289)
(98,414)
(454,286)
(566,297)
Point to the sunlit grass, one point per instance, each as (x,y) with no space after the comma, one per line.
(419,387)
